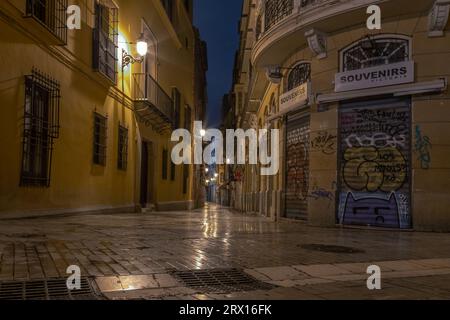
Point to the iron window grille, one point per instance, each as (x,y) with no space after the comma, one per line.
(41,128)
(105,39)
(52,14)
(100,139)
(277,10)
(299,75)
(372,52)
(122,162)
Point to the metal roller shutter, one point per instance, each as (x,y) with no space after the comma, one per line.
(297,166)
(375,156)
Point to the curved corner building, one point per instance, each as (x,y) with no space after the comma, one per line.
(365,114)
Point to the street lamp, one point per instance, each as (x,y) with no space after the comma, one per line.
(141,48)
(203,133)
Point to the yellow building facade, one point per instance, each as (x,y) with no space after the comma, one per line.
(87,121)
(364,114)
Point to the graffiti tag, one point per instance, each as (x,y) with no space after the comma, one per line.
(321,193)
(372,211)
(422,148)
(374,169)
(379,140)
(324,142)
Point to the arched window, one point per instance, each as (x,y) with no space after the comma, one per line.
(273,105)
(375,51)
(299,74)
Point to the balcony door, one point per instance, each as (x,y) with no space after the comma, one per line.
(149,67)
(147,174)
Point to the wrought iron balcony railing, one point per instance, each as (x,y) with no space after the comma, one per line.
(154,106)
(276,10)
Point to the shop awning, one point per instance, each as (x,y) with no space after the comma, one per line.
(397,91)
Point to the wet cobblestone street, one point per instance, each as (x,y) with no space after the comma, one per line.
(124,246)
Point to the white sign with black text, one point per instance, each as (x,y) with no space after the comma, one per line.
(294,97)
(379,76)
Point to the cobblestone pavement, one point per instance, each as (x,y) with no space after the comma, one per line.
(131,255)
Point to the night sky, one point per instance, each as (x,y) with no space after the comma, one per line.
(218,23)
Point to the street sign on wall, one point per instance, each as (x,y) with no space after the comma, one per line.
(294,97)
(379,76)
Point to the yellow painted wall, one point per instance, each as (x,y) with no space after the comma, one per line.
(77,184)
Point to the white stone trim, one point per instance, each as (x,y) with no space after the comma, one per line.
(438,18)
(317,42)
(399,90)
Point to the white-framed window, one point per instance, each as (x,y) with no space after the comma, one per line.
(374,51)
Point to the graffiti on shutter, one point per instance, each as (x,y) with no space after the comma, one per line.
(297,168)
(374,173)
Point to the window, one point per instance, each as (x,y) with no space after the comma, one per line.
(52,14)
(172,171)
(100,126)
(187,118)
(187,6)
(185,178)
(122,162)
(41,127)
(168,7)
(106,39)
(375,51)
(299,75)
(176,98)
(165,159)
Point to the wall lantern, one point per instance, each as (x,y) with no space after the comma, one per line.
(274,74)
(141,48)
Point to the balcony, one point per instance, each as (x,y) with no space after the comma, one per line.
(282,24)
(285,34)
(153,106)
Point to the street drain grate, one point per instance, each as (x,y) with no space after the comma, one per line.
(220,281)
(51,289)
(331,248)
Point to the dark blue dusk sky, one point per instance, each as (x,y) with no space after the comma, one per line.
(218,23)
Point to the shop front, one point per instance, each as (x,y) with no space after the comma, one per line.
(374,164)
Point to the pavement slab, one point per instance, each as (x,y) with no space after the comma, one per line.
(133,255)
